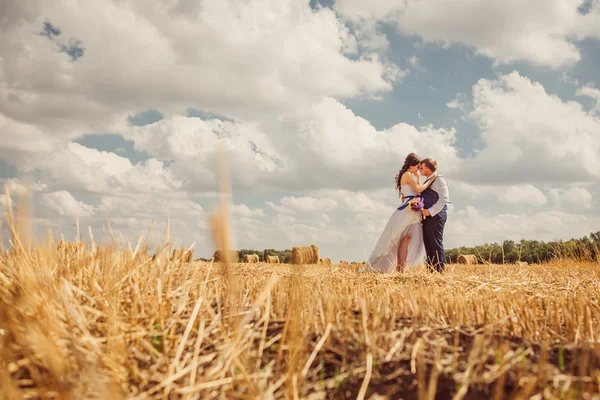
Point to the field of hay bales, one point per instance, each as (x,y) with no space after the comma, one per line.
(114,323)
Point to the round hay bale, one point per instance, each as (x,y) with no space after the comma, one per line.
(272,260)
(305,254)
(233,256)
(250,258)
(468,259)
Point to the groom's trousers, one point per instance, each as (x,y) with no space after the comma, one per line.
(433,237)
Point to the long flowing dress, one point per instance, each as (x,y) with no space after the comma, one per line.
(384,257)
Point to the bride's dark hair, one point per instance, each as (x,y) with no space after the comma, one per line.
(410,161)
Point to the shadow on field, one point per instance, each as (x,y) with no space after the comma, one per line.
(468,364)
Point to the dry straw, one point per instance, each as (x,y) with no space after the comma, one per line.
(325,261)
(107,321)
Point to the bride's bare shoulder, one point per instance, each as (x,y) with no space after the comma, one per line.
(406,176)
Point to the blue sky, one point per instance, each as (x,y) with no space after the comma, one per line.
(318,106)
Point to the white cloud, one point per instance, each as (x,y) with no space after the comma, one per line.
(370,38)
(470,226)
(453,104)
(242,210)
(342,150)
(95,171)
(324,145)
(228,57)
(281,211)
(459,102)
(309,204)
(31,139)
(15,188)
(192,144)
(569,79)
(277,71)
(525,195)
(538,31)
(65,204)
(592,93)
(531,136)
(572,199)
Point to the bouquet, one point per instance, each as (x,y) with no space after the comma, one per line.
(416,204)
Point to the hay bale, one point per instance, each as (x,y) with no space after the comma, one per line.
(325,261)
(272,260)
(219,256)
(305,254)
(250,258)
(468,259)
(522,263)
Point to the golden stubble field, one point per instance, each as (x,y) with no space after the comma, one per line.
(113,323)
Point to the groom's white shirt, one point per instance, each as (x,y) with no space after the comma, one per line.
(440,186)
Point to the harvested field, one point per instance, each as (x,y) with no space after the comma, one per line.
(115,324)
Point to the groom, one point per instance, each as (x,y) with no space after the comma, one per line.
(435,199)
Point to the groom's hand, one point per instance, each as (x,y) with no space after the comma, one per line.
(425,213)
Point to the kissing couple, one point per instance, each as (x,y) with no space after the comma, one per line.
(414,234)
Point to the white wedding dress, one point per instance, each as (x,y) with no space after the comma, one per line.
(384,257)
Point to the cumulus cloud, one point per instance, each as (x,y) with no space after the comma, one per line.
(577,198)
(95,171)
(471,225)
(458,102)
(271,78)
(227,57)
(522,195)
(63,203)
(324,145)
(309,204)
(539,31)
(31,139)
(593,93)
(414,61)
(522,143)
(191,143)
(453,104)
(242,210)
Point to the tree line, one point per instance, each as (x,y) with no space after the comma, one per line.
(586,248)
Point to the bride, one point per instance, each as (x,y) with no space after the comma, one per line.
(401,243)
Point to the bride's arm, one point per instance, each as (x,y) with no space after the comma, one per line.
(416,186)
